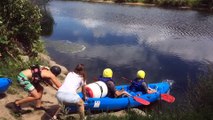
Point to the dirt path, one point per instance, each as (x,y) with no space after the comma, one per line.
(49,101)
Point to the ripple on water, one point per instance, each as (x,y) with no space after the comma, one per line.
(65,46)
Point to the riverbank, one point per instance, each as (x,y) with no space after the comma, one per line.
(49,100)
(153,5)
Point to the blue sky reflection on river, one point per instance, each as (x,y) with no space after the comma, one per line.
(165,43)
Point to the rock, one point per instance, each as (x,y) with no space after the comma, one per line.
(44,57)
(138,111)
(51,63)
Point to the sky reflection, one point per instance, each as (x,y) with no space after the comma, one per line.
(165,43)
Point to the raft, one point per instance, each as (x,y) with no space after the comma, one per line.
(124,102)
(4,84)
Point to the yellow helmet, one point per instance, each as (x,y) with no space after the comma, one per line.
(141,74)
(107,73)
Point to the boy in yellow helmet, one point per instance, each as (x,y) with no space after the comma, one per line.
(139,84)
(107,78)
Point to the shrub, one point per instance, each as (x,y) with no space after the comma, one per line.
(193,3)
(19,27)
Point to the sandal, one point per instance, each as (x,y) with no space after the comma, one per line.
(17,107)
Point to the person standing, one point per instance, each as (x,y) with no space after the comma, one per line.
(30,80)
(67,93)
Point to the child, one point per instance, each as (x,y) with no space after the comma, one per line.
(107,78)
(139,84)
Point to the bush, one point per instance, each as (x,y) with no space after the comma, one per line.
(19,27)
(193,3)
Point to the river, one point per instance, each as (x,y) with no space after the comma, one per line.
(167,44)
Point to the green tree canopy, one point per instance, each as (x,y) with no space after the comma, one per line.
(19,27)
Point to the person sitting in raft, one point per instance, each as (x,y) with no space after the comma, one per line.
(30,80)
(107,79)
(139,84)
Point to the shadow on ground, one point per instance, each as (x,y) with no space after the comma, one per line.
(2,95)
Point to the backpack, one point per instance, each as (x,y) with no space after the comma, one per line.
(36,73)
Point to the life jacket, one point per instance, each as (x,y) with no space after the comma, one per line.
(104,79)
(137,85)
(36,73)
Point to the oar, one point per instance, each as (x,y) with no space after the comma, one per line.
(138,99)
(126,79)
(141,100)
(168,98)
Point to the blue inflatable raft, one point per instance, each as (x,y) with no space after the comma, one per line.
(4,84)
(107,104)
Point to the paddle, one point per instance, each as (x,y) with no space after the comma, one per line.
(138,99)
(168,98)
(126,79)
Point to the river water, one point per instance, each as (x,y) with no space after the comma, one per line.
(167,44)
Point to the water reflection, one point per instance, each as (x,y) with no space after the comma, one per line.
(47,23)
(166,43)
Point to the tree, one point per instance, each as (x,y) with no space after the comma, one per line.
(19,27)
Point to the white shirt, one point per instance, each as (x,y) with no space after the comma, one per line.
(71,83)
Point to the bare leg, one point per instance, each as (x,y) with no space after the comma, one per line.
(34,95)
(81,109)
(40,90)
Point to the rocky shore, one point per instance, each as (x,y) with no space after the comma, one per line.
(49,101)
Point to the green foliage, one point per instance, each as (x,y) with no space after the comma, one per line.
(193,3)
(47,23)
(19,27)
(119,1)
(179,3)
(171,2)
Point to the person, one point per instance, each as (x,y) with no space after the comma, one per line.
(106,77)
(30,80)
(139,84)
(67,93)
